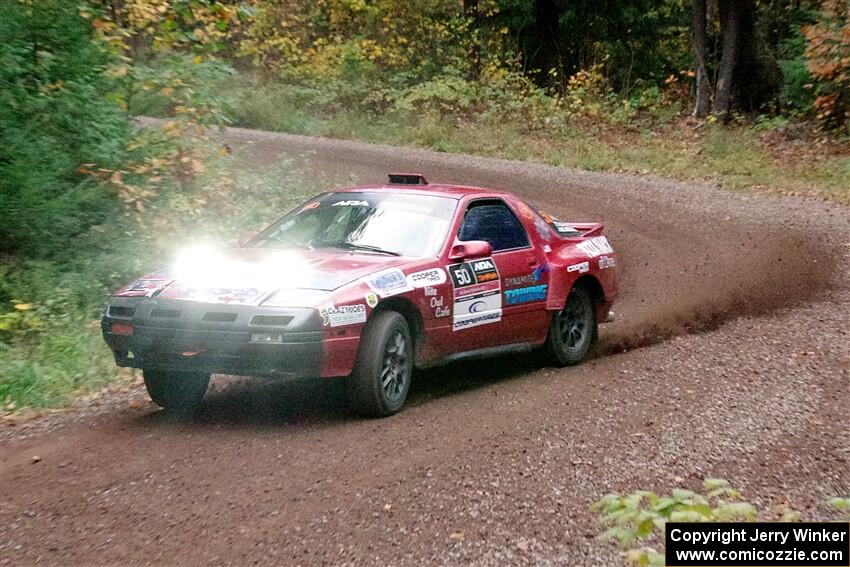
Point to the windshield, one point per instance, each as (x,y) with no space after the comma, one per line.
(376,223)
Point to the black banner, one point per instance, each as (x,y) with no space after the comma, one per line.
(761,544)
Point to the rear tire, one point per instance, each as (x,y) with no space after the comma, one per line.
(176,391)
(573,329)
(380,381)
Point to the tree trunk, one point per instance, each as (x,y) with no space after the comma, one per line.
(730,25)
(547,57)
(699,36)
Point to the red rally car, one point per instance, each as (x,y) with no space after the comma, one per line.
(368,283)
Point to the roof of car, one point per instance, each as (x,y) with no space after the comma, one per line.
(440,189)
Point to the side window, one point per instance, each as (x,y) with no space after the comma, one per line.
(494,222)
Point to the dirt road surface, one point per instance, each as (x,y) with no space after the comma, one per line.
(730,357)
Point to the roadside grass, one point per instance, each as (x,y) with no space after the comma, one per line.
(737,156)
(52,350)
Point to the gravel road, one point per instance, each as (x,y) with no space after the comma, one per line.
(730,357)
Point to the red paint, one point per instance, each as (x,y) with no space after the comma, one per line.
(552,259)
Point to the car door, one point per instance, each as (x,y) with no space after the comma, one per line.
(508,289)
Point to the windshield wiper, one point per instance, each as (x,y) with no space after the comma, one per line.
(365,248)
(285,240)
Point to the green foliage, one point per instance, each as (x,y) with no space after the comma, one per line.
(636,521)
(55,115)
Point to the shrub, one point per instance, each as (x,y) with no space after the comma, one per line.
(55,115)
(641,516)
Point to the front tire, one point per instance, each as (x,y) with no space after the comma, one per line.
(380,381)
(176,391)
(573,329)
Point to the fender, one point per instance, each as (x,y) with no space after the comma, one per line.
(568,265)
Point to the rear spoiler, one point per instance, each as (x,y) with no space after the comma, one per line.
(588,228)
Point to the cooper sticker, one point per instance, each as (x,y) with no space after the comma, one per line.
(606,262)
(525,294)
(338,316)
(389,282)
(596,246)
(371,300)
(580,268)
(434,276)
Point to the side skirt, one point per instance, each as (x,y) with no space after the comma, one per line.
(514,348)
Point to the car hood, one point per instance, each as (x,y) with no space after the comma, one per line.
(254,275)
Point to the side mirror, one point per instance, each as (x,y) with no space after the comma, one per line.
(470,249)
(246,236)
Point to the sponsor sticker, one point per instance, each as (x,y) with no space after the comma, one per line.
(606,262)
(371,300)
(563,227)
(235,295)
(146,287)
(596,246)
(434,276)
(389,282)
(580,268)
(338,316)
(477,293)
(476,289)
(525,294)
(533,277)
(474,320)
(437,302)
(485,270)
(519,280)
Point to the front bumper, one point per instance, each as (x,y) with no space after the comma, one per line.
(214,338)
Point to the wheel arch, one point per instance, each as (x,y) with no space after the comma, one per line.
(409,311)
(593,287)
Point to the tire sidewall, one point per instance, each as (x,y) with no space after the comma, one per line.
(176,391)
(365,387)
(562,353)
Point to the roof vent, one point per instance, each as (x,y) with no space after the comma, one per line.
(407,179)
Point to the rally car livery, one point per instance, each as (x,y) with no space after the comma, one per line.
(369,283)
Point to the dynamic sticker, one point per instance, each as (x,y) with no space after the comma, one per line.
(338,316)
(434,276)
(580,268)
(371,300)
(596,246)
(525,294)
(533,277)
(389,282)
